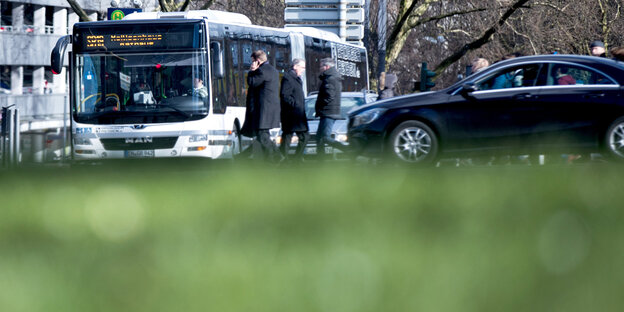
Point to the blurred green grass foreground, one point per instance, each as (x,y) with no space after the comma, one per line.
(207,238)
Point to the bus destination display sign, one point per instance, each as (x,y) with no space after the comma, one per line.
(166,37)
(120,41)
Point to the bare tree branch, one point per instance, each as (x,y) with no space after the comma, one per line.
(172,6)
(485,38)
(207,5)
(78,10)
(527,37)
(547,4)
(165,6)
(461,31)
(185,5)
(443,16)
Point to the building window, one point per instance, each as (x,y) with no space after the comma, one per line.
(29,18)
(49,22)
(5,79)
(27,87)
(6,16)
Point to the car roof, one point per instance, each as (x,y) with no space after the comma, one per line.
(559,58)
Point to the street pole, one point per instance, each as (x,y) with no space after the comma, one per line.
(382,18)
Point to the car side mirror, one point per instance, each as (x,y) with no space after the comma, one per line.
(467,89)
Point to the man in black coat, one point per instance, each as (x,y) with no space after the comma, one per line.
(294,119)
(263,97)
(328,105)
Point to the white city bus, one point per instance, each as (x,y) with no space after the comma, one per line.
(132,81)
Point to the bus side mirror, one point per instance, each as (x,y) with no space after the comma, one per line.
(58,54)
(216,55)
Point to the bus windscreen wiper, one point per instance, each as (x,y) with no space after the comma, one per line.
(177,110)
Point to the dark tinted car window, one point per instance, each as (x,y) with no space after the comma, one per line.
(513,77)
(565,74)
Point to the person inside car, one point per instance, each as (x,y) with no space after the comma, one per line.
(561,74)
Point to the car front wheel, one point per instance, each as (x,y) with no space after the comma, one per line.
(413,142)
(615,140)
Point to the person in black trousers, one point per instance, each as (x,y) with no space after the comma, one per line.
(294,119)
(328,106)
(263,81)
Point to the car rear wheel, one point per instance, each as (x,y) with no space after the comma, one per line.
(615,140)
(413,142)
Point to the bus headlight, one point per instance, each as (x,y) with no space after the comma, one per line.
(341,137)
(82,141)
(198,138)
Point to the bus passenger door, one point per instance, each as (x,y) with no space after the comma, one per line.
(217,73)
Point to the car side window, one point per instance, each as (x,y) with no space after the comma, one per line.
(512,77)
(566,74)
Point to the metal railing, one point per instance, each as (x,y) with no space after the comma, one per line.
(49,30)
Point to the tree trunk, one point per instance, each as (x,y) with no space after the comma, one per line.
(410,9)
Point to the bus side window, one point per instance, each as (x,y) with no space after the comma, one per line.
(246,63)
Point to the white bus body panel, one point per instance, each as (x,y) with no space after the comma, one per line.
(215,141)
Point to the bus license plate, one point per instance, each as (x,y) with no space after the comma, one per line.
(312,150)
(140,154)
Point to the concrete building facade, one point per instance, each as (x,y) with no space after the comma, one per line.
(29,30)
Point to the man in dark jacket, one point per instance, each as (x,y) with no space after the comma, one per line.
(263,97)
(294,117)
(328,105)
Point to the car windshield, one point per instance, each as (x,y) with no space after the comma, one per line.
(346,104)
(152,87)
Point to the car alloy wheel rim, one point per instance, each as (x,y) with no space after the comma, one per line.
(616,140)
(412,144)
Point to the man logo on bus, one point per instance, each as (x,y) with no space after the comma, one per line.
(117,15)
(139,140)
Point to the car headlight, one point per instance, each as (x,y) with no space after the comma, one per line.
(341,137)
(368,116)
(198,138)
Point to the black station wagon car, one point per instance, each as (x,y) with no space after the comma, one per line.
(527,105)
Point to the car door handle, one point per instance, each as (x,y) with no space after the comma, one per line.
(524,96)
(594,96)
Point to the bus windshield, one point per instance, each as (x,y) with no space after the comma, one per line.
(140,88)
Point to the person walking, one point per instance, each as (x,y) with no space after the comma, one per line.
(479,64)
(327,106)
(263,105)
(294,119)
(618,54)
(597,48)
(389,85)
